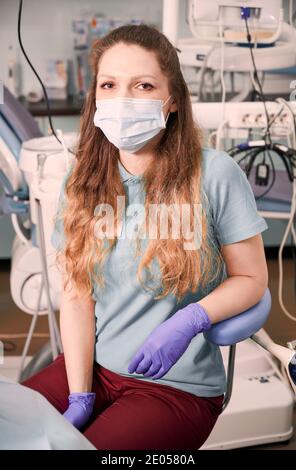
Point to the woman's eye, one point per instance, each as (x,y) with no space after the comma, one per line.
(103,85)
(109,85)
(146,84)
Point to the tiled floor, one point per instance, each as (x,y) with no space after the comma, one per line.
(278,326)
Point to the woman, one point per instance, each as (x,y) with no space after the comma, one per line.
(136,372)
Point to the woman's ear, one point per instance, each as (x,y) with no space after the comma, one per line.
(173,107)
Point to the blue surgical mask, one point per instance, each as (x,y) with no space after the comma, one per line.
(129,123)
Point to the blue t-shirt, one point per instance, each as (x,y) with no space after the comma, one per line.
(126,313)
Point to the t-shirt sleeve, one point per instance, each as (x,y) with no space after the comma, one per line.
(57,236)
(233,204)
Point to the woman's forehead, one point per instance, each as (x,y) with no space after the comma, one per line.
(139,61)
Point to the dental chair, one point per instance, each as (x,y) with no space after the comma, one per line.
(238,328)
(236,428)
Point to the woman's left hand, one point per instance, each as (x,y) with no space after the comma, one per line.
(168,341)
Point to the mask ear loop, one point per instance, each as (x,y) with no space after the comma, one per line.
(166,101)
(166,119)
(66,152)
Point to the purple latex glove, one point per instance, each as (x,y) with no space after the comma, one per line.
(168,341)
(80,408)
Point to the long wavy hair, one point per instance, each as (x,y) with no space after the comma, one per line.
(174,179)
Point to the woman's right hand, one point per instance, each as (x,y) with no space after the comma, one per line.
(80,408)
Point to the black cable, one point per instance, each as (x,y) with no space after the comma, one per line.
(261,94)
(252,161)
(247,154)
(288,157)
(254,152)
(36,74)
(273,177)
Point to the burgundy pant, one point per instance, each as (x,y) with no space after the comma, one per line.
(134,414)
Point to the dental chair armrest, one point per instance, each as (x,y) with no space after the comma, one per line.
(241,326)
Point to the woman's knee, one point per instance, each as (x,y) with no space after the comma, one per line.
(44,374)
(52,383)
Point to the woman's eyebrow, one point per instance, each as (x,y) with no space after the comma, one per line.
(132,78)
